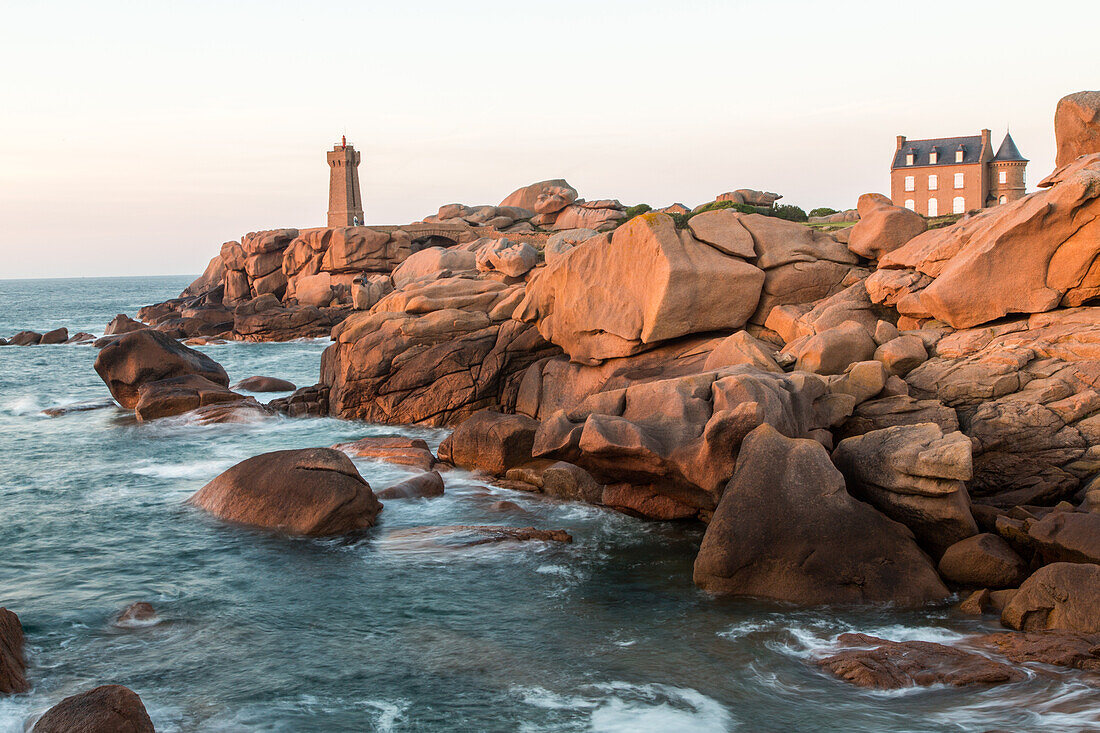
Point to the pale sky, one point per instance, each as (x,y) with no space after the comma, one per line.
(136,137)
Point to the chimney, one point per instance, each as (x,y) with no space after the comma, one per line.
(985,138)
(901,141)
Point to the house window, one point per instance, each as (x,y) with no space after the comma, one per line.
(958,205)
(909,159)
(933,207)
(910,183)
(1002,200)
(1002,177)
(911,204)
(933,158)
(958,180)
(933,182)
(958,156)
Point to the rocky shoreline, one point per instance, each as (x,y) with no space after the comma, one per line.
(880,414)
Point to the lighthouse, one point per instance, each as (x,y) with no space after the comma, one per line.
(345,204)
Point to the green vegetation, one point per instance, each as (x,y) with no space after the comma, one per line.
(636,210)
(823,211)
(784,211)
(831,226)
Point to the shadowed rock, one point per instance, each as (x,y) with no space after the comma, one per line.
(983,561)
(264,384)
(1064,596)
(423,486)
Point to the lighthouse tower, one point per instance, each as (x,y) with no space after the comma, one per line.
(345,204)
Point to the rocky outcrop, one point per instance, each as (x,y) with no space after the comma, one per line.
(679,437)
(309,401)
(914,474)
(432,352)
(1063,596)
(105,709)
(13,665)
(750,196)
(313,491)
(1077,126)
(882,227)
(177,395)
(596,302)
(544,197)
(122,323)
(786,529)
(1027,256)
(880,664)
(137,615)
(141,357)
(266,319)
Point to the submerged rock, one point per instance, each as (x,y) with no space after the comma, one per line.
(13,665)
(786,529)
(105,709)
(891,665)
(1058,648)
(392,449)
(137,615)
(459,536)
(311,491)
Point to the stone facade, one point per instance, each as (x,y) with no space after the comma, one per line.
(940,176)
(345,203)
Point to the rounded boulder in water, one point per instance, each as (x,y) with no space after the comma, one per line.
(265,384)
(311,491)
(105,709)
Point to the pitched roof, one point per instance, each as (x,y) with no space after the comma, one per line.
(1008,150)
(945,146)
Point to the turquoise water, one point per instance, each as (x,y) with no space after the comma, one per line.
(261,632)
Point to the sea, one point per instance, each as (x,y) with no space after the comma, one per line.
(262,632)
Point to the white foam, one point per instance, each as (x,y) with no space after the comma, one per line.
(22,405)
(622,707)
(196,469)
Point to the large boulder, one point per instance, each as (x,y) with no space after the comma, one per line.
(311,491)
(490,442)
(597,302)
(1059,596)
(914,474)
(786,529)
(1027,256)
(122,323)
(264,318)
(145,356)
(265,384)
(105,709)
(882,227)
(392,449)
(426,485)
(544,197)
(602,215)
(1077,126)
(13,665)
(434,262)
(513,259)
(833,350)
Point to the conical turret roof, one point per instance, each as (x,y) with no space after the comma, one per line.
(1008,150)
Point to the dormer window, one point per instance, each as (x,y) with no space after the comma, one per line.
(959,155)
(909,158)
(933,157)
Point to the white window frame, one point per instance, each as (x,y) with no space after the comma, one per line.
(933,207)
(909,159)
(910,183)
(933,182)
(959,156)
(1002,200)
(959,180)
(958,205)
(911,204)
(1002,177)
(933,158)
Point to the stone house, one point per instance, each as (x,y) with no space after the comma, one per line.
(953,175)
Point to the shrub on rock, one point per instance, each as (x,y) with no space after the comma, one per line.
(311,491)
(786,529)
